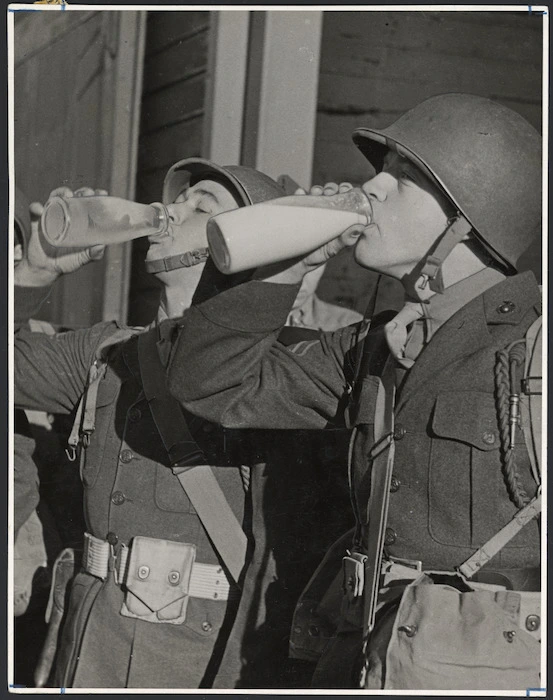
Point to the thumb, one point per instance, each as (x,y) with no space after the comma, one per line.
(96,252)
(351,235)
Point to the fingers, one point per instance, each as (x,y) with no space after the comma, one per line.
(84,192)
(300,190)
(61,192)
(331,188)
(35,210)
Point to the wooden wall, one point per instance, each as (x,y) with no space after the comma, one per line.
(375,65)
(58,96)
(172,122)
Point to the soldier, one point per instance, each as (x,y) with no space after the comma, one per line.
(442,478)
(154,600)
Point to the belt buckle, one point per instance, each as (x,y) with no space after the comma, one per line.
(353,567)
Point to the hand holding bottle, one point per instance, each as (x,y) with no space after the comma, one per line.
(44,263)
(293,271)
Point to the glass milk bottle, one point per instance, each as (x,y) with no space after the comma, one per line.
(283,228)
(100,220)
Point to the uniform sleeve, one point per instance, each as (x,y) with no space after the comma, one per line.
(50,372)
(228,367)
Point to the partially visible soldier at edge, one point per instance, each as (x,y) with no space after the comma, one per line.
(130,491)
(444,476)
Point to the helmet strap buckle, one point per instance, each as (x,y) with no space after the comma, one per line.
(175,262)
(458,227)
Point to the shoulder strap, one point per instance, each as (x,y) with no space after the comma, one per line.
(186,458)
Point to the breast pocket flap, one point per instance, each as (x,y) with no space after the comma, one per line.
(469,417)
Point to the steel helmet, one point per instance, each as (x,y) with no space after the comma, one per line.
(248,185)
(485,157)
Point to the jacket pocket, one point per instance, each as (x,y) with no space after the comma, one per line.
(465,478)
(169,494)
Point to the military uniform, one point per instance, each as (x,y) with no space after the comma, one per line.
(448,493)
(128,491)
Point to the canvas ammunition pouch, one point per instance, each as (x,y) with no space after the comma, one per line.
(448,633)
(158,576)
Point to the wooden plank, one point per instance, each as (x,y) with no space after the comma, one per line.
(179,61)
(173,104)
(171,144)
(149,184)
(339,163)
(165,28)
(353,23)
(35,32)
(389,91)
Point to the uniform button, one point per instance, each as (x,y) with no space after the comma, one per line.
(532,623)
(488,437)
(126,456)
(313,631)
(395,483)
(399,432)
(143,572)
(506,307)
(118,498)
(390,536)
(207,626)
(112,538)
(135,414)
(173,578)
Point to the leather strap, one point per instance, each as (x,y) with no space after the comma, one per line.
(188,462)
(175,262)
(457,229)
(382,462)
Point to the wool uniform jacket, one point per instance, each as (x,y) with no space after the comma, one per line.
(129,490)
(449,495)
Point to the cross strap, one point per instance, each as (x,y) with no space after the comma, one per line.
(188,461)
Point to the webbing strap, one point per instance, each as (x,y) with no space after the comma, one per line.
(382,458)
(483,555)
(457,229)
(197,480)
(175,262)
(216,515)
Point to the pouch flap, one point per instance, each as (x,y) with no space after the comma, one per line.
(467,416)
(158,571)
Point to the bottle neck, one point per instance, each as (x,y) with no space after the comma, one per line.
(162,217)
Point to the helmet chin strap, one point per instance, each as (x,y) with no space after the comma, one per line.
(428,272)
(175,262)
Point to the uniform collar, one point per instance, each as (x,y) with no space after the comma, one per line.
(470,328)
(443,306)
